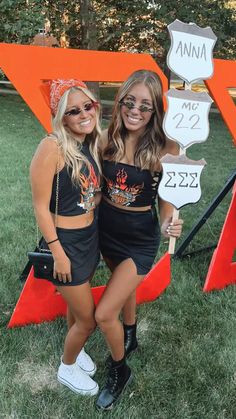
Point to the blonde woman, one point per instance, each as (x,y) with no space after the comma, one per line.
(128,223)
(70,231)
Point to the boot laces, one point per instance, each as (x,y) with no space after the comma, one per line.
(113,379)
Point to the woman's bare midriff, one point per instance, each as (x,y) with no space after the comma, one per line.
(126,208)
(75,221)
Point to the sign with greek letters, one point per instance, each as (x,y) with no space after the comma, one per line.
(186,119)
(180,183)
(190,54)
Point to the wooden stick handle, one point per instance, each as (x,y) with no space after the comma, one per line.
(175,217)
(172,240)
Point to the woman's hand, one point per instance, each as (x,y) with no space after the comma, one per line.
(62,269)
(172,228)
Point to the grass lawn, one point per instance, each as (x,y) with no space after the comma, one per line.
(186,364)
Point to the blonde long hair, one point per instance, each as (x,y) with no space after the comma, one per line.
(153,140)
(70,148)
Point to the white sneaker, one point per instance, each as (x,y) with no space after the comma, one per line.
(78,381)
(85,362)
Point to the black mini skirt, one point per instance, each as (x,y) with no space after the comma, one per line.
(81,247)
(129,234)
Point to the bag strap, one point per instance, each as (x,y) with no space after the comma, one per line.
(57,186)
(56,206)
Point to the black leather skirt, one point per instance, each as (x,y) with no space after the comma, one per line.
(129,234)
(81,247)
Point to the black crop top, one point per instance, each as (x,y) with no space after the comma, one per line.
(128,185)
(76,199)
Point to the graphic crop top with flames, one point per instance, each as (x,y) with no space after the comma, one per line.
(128,185)
(79,199)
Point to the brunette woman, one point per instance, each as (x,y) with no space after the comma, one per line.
(128,222)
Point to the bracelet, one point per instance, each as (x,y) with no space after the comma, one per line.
(52,241)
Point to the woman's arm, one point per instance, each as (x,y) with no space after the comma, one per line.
(42,170)
(169,227)
(171,147)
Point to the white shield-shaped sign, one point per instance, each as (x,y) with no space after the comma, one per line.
(190,54)
(180,183)
(186,119)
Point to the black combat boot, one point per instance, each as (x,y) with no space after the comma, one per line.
(130,341)
(130,338)
(119,376)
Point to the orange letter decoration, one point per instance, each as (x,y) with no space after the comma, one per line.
(26,66)
(222,269)
(224,77)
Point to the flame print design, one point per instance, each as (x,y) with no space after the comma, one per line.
(89,185)
(119,192)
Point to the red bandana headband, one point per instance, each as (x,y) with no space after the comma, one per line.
(53,90)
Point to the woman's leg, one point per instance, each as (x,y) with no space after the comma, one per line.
(83,359)
(69,315)
(129,318)
(129,310)
(81,305)
(69,318)
(81,308)
(123,282)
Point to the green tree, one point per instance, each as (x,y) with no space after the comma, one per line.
(141,25)
(20,20)
(118,25)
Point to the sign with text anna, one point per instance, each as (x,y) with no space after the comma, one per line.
(191,50)
(186,119)
(180,182)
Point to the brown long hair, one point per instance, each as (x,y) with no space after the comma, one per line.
(153,140)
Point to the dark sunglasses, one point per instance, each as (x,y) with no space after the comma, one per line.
(131,105)
(76,111)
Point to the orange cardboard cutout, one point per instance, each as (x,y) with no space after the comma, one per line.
(222,269)
(224,77)
(26,66)
(39,301)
